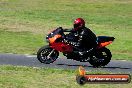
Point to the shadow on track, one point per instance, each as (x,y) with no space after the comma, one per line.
(93,67)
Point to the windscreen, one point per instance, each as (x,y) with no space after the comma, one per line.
(55,32)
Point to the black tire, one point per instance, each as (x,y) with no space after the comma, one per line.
(81,80)
(43,52)
(100,58)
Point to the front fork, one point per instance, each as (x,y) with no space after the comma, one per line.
(50,53)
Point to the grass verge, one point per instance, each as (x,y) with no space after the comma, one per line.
(29,77)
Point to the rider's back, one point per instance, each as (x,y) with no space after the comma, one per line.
(88,38)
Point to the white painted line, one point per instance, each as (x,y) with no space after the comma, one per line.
(123,60)
(30,55)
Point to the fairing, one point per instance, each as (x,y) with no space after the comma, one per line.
(55,42)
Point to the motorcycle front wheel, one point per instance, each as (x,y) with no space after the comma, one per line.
(101,57)
(47,55)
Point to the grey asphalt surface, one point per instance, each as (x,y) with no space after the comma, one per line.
(116,66)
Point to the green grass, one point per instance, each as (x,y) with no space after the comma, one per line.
(28,77)
(34,18)
(19,42)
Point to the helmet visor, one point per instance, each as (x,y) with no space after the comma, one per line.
(76,25)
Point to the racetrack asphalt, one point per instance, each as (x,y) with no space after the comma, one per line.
(116,66)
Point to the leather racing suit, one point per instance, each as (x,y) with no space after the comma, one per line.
(84,39)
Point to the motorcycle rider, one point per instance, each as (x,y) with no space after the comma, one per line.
(86,39)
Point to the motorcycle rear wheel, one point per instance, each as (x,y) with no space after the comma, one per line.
(43,53)
(101,58)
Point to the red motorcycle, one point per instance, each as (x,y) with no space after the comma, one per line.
(96,56)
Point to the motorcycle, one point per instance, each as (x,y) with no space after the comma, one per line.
(97,56)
